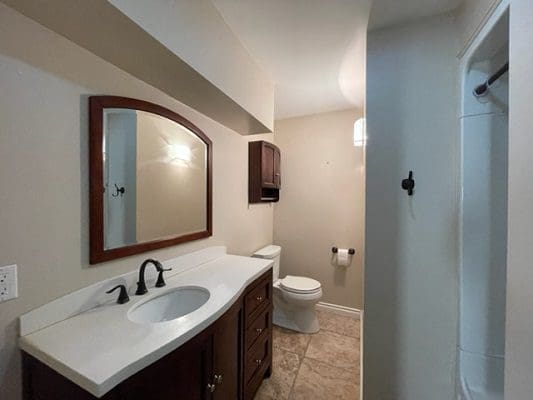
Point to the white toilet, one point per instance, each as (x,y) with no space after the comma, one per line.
(294,296)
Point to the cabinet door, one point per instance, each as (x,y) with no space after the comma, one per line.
(227,351)
(183,374)
(277,168)
(268,176)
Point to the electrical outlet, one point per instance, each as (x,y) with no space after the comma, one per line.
(8,283)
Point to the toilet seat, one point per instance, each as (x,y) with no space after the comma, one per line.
(299,284)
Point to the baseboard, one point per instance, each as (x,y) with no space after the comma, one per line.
(342,310)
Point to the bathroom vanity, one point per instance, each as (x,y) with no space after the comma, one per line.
(228,359)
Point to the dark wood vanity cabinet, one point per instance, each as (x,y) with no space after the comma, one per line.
(226,361)
(227,367)
(257,335)
(183,374)
(264,172)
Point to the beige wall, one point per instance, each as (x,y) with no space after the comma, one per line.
(44,84)
(321,202)
(411,296)
(194,32)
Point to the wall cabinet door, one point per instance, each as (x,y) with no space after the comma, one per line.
(264,172)
(277,168)
(268,166)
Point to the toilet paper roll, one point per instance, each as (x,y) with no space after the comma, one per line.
(343,258)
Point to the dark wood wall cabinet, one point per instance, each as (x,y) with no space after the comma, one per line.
(226,361)
(264,172)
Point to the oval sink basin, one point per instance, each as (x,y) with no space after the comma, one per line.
(170,305)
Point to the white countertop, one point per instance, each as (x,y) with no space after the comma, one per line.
(101,347)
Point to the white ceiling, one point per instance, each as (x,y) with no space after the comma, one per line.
(314,50)
(393,12)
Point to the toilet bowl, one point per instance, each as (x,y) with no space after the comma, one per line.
(294,297)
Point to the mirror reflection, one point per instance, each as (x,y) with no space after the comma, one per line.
(155,178)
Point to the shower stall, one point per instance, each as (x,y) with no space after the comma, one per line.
(483,222)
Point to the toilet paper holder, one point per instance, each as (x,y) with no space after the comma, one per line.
(335,250)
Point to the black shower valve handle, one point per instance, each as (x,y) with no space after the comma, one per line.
(409,184)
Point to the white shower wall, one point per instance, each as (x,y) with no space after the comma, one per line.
(484,223)
(483,275)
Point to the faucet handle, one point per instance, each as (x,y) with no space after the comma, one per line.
(160,281)
(123,295)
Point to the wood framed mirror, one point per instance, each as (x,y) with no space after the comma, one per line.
(150,178)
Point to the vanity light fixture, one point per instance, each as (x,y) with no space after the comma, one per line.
(359,132)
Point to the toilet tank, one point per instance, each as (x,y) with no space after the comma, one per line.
(271,252)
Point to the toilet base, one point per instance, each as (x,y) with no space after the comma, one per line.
(299,319)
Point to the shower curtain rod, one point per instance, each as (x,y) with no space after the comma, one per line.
(482,89)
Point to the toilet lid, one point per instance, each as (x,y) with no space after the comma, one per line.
(299,284)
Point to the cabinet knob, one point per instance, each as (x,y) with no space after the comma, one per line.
(258,361)
(211,387)
(259,298)
(259,330)
(218,378)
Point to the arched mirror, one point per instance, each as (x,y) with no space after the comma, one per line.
(150,178)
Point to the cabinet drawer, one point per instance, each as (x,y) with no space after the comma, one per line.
(258,356)
(256,298)
(261,324)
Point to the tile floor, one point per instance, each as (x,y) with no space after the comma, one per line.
(321,366)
